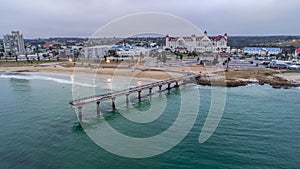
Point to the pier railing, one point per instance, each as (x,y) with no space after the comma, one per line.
(78,103)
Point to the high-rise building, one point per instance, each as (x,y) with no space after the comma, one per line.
(13,44)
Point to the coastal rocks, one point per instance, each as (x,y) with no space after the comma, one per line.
(223,83)
(277,82)
(274,81)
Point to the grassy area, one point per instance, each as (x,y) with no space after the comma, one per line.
(291,71)
(248,74)
(26,63)
(254,73)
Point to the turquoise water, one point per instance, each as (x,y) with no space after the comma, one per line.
(260,128)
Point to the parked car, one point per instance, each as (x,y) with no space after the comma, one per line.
(264,62)
(279,64)
(294,67)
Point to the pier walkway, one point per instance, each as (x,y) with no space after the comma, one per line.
(111,96)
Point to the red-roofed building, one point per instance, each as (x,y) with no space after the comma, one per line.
(297,52)
(199,44)
(47,45)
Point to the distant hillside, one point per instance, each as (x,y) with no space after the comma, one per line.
(285,42)
(274,41)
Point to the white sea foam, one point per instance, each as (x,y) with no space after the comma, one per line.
(34,77)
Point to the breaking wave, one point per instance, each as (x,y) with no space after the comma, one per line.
(34,77)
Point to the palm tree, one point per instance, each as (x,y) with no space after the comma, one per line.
(228,60)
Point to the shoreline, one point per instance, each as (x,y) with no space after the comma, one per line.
(124,72)
(212,76)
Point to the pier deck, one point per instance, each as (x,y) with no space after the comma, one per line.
(111,96)
(98,98)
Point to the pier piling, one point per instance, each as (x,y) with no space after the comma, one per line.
(139,95)
(169,86)
(80,113)
(127,99)
(113,103)
(176,85)
(98,108)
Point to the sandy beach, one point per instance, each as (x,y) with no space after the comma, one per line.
(233,77)
(137,73)
(291,76)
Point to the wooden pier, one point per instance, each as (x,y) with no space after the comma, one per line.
(138,89)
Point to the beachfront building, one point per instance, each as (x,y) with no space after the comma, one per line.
(135,52)
(13,44)
(126,50)
(96,51)
(263,51)
(198,44)
(121,50)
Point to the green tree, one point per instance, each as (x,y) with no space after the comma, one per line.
(226,62)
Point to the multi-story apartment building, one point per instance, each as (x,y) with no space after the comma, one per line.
(13,44)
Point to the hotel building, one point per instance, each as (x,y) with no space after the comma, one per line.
(198,44)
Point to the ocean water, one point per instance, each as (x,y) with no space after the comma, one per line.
(260,128)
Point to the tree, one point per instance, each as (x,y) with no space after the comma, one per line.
(279,56)
(167,49)
(226,62)
(194,54)
(9,54)
(113,53)
(76,54)
(163,58)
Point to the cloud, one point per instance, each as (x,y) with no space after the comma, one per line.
(83,17)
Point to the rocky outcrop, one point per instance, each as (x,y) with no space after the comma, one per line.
(277,82)
(274,81)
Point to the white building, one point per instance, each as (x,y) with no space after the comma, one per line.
(96,51)
(14,44)
(261,51)
(198,44)
(132,52)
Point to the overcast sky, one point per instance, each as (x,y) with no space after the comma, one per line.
(82,18)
